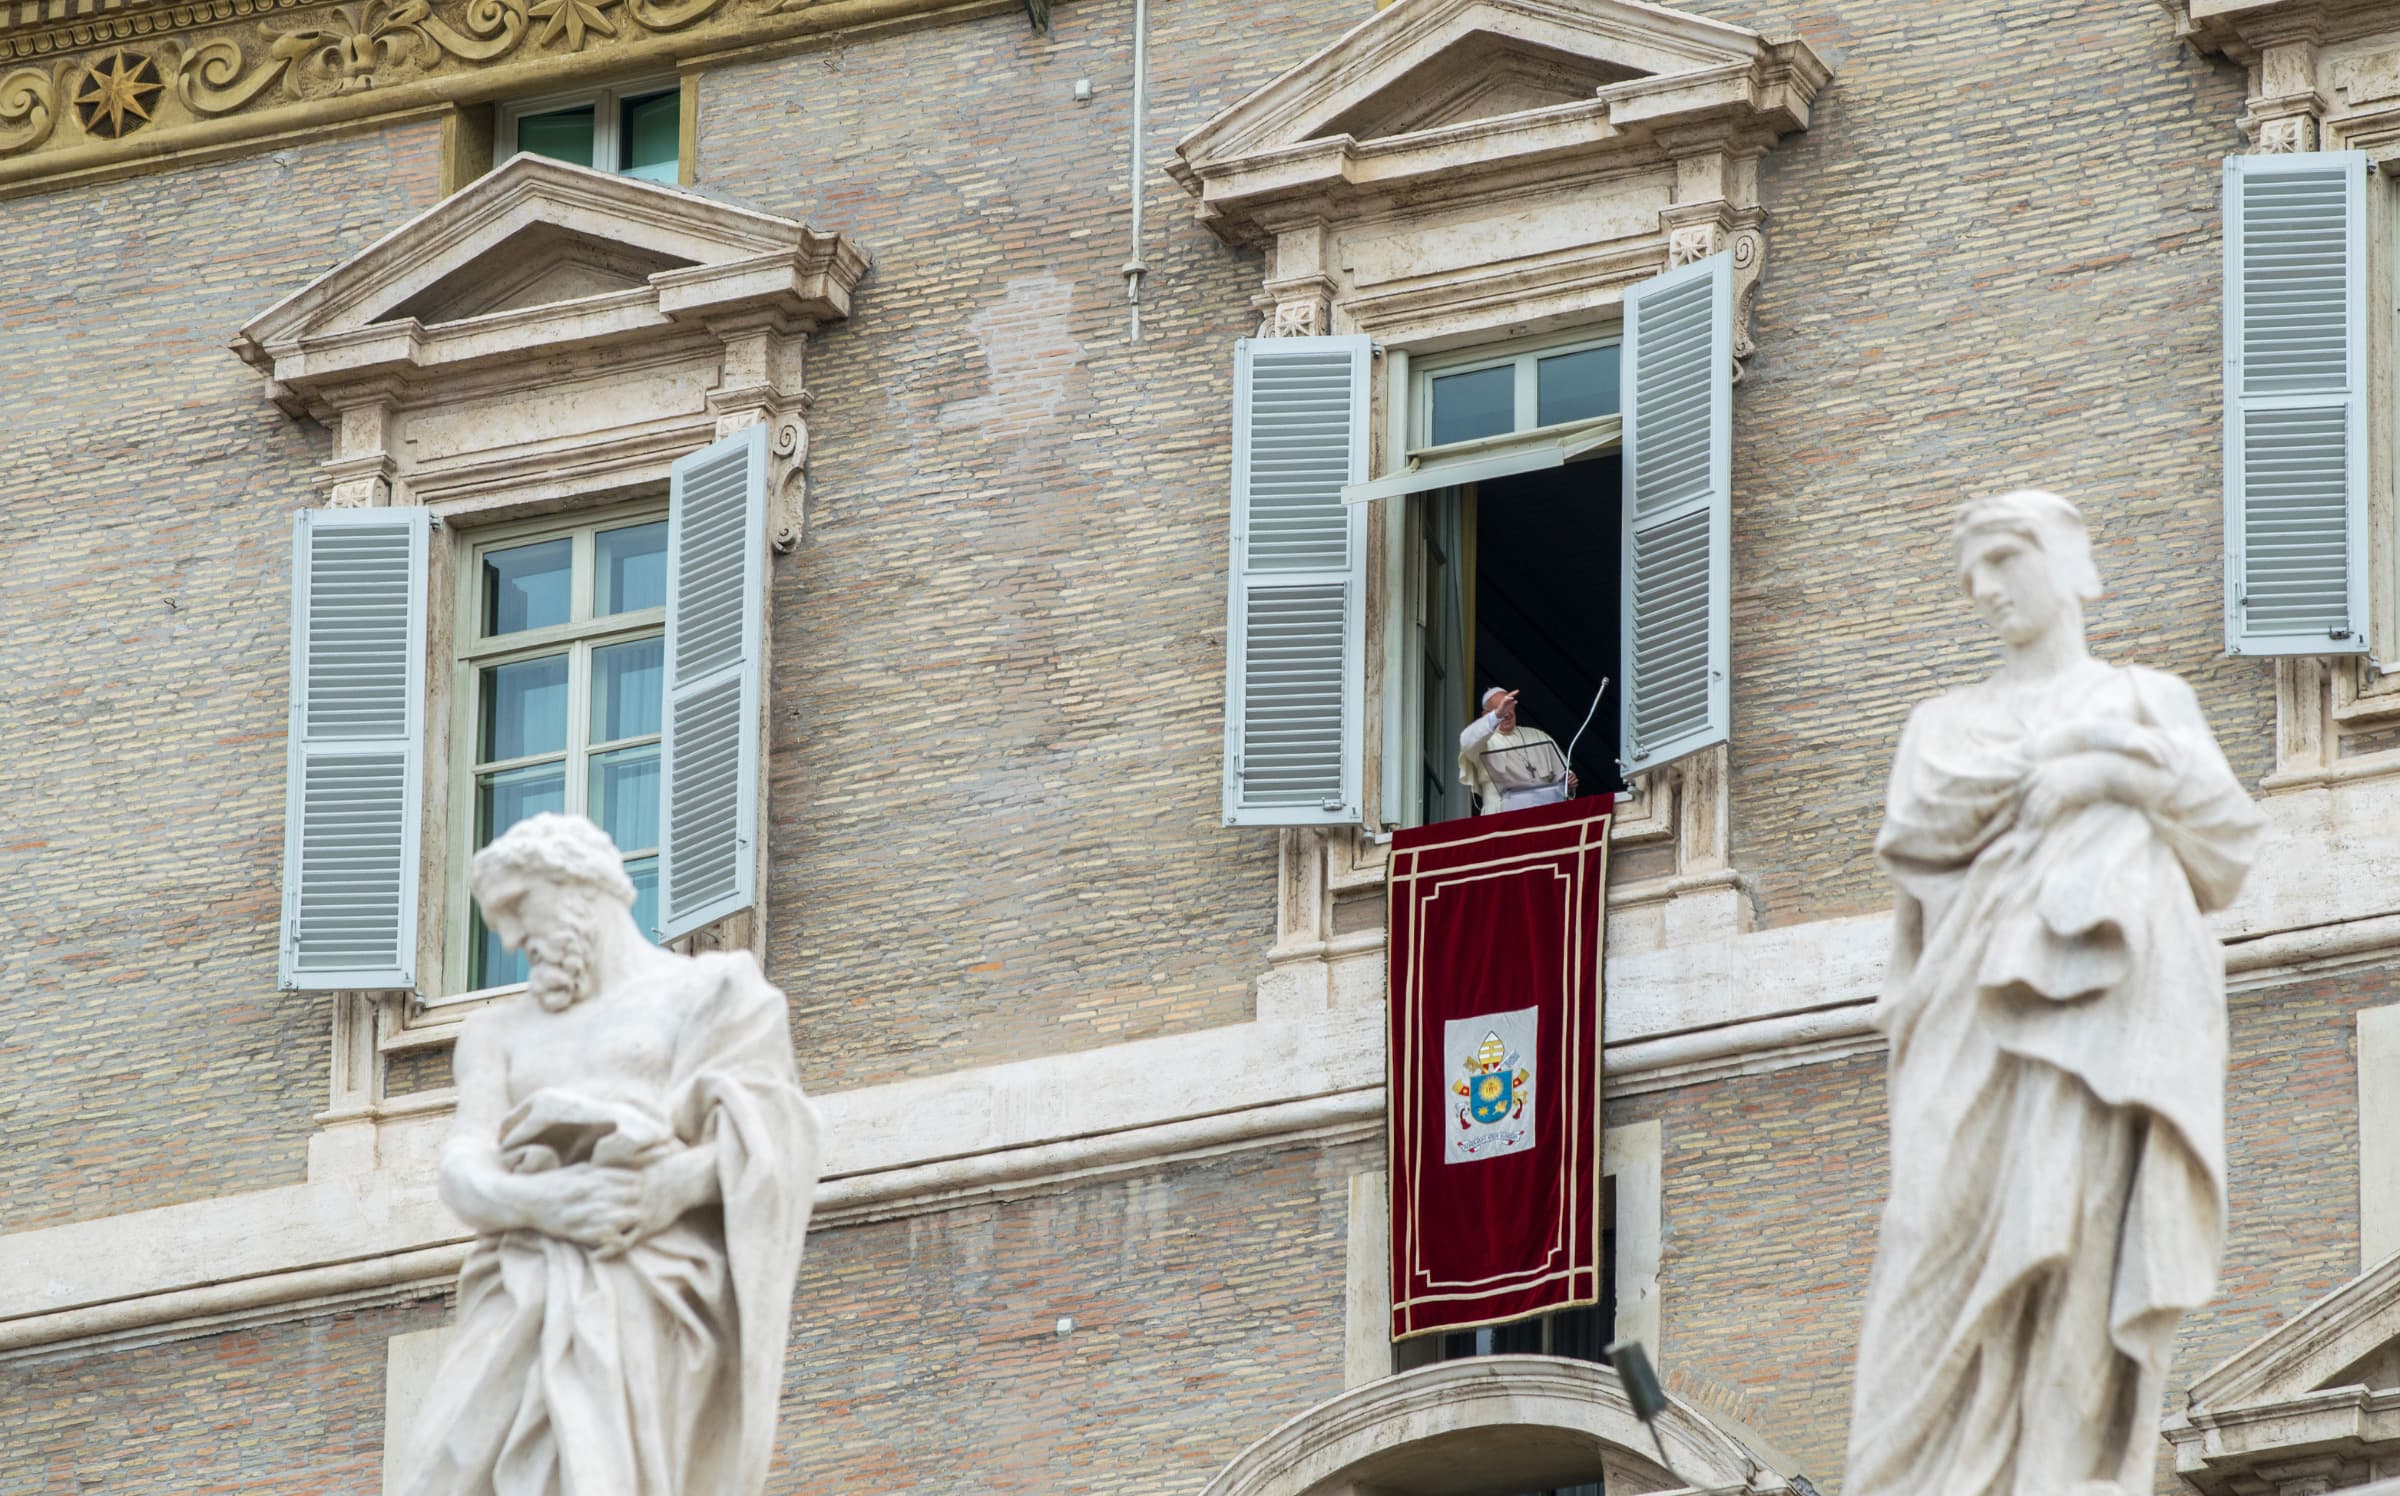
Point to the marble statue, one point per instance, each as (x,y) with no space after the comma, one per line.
(634,1150)
(2056,1011)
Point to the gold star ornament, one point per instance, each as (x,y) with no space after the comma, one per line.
(574,18)
(116,95)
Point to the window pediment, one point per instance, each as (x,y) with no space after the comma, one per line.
(2325,1380)
(1436,96)
(538,257)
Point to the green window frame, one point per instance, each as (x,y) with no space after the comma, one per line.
(633,129)
(559,695)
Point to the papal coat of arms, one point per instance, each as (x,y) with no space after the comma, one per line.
(1490,1065)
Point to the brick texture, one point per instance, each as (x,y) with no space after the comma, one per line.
(1000,650)
(1207,1302)
(1993,262)
(291,1409)
(925,1357)
(145,1055)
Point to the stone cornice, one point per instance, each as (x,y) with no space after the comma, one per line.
(213,77)
(2240,29)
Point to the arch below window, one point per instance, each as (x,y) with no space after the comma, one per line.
(1491,1426)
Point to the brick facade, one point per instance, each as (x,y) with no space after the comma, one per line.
(145,1055)
(995,715)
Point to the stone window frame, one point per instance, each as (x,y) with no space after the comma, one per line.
(1659,170)
(462,416)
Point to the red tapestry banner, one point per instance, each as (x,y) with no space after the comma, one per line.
(1495,926)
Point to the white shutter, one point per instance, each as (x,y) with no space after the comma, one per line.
(357,722)
(1678,512)
(2296,404)
(716,641)
(1295,630)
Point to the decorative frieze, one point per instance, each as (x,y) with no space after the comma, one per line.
(99,89)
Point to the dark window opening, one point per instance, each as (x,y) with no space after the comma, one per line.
(1519,580)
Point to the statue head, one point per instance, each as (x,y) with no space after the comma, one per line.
(2025,561)
(545,887)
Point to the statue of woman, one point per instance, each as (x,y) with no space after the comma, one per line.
(2056,1011)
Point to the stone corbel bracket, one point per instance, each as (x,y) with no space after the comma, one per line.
(2318,68)
(1696,230)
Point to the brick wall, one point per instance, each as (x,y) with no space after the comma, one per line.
(145,545)
(925,1358)
(1993,261)
(291,1409)
(1774,1184)
(1000,649)
(1207,1301)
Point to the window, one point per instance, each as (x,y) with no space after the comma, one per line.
(1476,398)
(562,684)
(1512,554)
(1513,579)
(636,130)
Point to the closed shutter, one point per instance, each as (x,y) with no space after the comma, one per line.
(1678,512)
(716,642)
(1294,629)
(357,725)
(2296,404)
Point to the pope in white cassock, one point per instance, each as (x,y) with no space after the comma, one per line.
(633,1147)
(1509,764)
(2056,1010)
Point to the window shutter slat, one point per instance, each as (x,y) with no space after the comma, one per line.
(716,611)
(357,732)
(1295,629)
(1678,519)
(2295,404)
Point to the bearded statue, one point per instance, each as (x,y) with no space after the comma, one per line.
(633,1148)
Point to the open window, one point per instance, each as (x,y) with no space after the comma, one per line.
(1511,576)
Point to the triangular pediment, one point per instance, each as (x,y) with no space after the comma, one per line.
(539,265)
(533,233)
(2349,1338)
(1427,64)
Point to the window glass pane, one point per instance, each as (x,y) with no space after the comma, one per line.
(624,798)
(629,683)
(524,709)
(504,798)
(1575,386)
(562,135)
(644,873)
(646,138)
(1481,403)
(632,569)
(528,586)
(493,966)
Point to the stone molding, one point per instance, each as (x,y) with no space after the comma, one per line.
(1550,1419)
(2302,1409)
(1524,193)
(220,76)
(367,1227)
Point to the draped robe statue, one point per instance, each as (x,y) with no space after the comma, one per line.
(2056,1011)
(634,1148)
